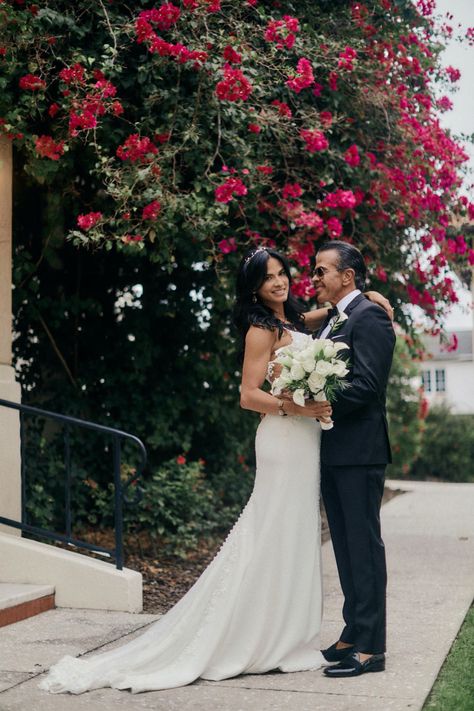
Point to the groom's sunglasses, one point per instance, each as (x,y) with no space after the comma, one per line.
(321,271)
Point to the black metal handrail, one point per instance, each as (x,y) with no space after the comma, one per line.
(119,486)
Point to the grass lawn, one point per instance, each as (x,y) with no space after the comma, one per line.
(454,687)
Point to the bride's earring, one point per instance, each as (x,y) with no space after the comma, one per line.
(254,298)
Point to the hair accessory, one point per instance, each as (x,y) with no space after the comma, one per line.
(254,298)
(251,256)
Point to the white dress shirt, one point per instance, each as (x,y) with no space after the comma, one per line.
(341,306)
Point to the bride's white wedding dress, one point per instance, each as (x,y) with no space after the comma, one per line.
(256,607)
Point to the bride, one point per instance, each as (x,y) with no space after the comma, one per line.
(258,605)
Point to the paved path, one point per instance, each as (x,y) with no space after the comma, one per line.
(429,536)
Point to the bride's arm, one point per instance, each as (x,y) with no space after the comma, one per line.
(259,344)
(313,319)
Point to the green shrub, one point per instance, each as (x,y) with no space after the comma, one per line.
(405,410)
(177,506)
(447,449)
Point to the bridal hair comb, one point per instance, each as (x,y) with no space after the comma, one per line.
(251,256)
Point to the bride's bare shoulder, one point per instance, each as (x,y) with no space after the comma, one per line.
(258,336)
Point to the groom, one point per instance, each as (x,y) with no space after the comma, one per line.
(354,455)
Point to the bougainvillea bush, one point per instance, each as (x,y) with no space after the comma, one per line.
(228,123)
(154,142)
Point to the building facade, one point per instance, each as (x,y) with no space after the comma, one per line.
(448,376)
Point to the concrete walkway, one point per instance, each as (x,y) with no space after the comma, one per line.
(429,536)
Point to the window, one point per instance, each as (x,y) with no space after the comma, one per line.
(426,380)
(440,376)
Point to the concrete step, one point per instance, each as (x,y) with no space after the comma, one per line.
(19,601)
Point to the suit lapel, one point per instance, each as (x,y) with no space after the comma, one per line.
(350,307)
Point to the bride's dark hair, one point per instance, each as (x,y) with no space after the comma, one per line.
(248,309)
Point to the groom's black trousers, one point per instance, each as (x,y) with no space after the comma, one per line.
(352,498)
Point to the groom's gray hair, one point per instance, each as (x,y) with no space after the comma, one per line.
(349,258)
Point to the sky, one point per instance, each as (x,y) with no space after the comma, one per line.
(461,118)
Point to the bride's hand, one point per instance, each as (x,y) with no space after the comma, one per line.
(318,410)
(377,298)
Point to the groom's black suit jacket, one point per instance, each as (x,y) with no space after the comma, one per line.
(360,432)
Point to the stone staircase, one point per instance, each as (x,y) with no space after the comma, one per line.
(19,601)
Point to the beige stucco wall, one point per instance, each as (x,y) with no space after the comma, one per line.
(10,486)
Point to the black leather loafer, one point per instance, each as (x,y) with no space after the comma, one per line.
(352,666)
(332,654)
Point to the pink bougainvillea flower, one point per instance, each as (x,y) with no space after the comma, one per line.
(234,86)
(210,5)
(136,148)
(181,460)
(86,222)
(332,80)
(227,246)
(229,189)
(151,211)
(334,227)
(73,75)
(164,16)
(311,220)
(326,118)
(265,169)
(351,156)
(444,104)
(283,109)
(282,32)
(254,128)
(81,121)
(53,110)
(453,74)
(340,198)
(346,59)
(46,147)
(315,140)
(231,56)
(304,77)
(292,190)
(30,82)
(426,7)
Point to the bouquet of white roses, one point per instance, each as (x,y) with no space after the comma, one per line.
(311,370)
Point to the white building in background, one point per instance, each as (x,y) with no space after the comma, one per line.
(448,376)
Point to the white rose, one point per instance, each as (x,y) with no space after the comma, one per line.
(340,346)
(323,367)
(308,364)
(329,351)
(305,354)
(297,371)
(318,345)
(298,397)
(339,368)
(285,360)
(316,382)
